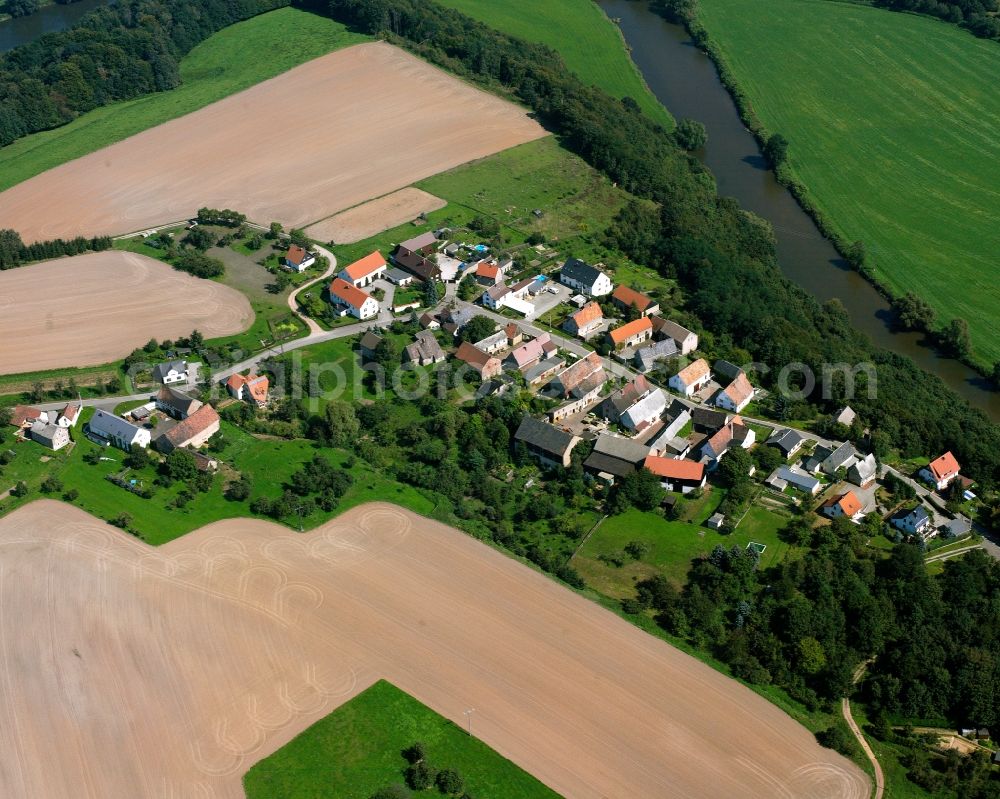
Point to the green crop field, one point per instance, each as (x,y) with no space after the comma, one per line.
(358,748)
(228,62)
(893,123)
(588,41)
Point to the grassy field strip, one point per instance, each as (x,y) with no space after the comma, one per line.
(909,162)
(590,44)
(234,59)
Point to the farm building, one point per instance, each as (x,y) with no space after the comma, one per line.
(531,352)
(49,435)
(424,351)
(686,340)
(692,378)
(485,365)
(737,395)
(364,271)
(399,277)
(644,411)
(424,244)
(581,379)
(250,388)
(192,433)
(110,429)
(646,358)
(625,298)
(586,279)
(615,456)
(493,343)
(619,401)
(350,299)
(631,333)
(176,403)
(676,475)
(547,444)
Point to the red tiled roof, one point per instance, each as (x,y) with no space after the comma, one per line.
(295,254)
(627,331)
(590,312)
(849,503)
(348,293)
(70,411)
(694,372)
(674,470)
(23,413)
(487,270)
(943,467)
(739,390)
(364,266)
(629,297)
(236,382)
(196,423)
(258,387)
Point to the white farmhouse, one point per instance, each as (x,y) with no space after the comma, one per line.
(585,278)
(115,430)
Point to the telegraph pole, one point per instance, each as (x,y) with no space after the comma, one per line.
(468,715)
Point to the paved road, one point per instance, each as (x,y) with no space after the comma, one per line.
(293,303)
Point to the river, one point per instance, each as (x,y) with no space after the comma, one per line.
(15,32)
(684,79)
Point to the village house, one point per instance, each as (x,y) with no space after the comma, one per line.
(493,297)
(625,298)
(485,365)
(504,296)
(350,299)
(631,333)
(676,475)
(787,441)
(842,457)
(530,352)
(364,271)
(176,403)
(48,435)
(734,433)
(583,379)
(644,411)
(620,400)
(846,505)
(399,277)
(845,416)
(192,433)
(646,358)
(428,321)
(586,279)
(863,472)
(250,388)
(737,395)
(913,522)
(705,420)
(453,318)
(493,343)
(424,244)
(424,351)
(547,444)
(668,443)
(23,416)
(614,456)
(69,415)
(110,429)
(417,265)
(542,371)
(297,259)
(171,372)
(785,476)
(488,273)
(940,471)
(368,344)
(585,321)
(692,378)
(686,340)
(514,333)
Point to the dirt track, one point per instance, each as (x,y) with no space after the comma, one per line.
(98,307)
(131,672)
(374,216)
(332,133)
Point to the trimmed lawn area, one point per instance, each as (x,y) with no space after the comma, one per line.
(357,749)
(590,43)
(893,124)
(673,545)
(233,59)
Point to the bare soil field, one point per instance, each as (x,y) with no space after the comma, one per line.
(95,308)
(355,124)
(376,215)
(136,672)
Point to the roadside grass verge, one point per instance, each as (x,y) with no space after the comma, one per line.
(233,59)
(590,43)
(357,749)
(907,162)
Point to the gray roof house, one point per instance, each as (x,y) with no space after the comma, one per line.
(727,369)
(49,435)
(548,444)
(582,276)
(843,457)
(796,477)
(115,430)
(176,403)
(788,441)
(647,357)
(863,472)
(645,411)
(171,372)
(425,350)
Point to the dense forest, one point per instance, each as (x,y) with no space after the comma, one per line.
(722,256)
(115,53)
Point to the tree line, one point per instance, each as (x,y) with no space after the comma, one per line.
(117,52)
(14,252)
(977,16)
(723,258)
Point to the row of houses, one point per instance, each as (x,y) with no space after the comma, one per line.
(48,428)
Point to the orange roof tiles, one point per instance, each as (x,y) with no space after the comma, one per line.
(627,331)
(629,297)
(849,504)
(589,313)
(295,254)
(944,467)
(740,390)
(694,372)
(674,470)
(348,293)
(364,266)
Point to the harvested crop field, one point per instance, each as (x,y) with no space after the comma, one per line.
(376,215)
(130,671)
(95,308)
(355,124)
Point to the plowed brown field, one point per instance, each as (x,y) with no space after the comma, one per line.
(130,672)
(95,308)
(355,124)
(374,216)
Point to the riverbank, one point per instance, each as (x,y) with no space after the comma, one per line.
(917,197)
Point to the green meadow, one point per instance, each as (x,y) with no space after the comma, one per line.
(893,124)
(357,750)
(232,60)
(590,43)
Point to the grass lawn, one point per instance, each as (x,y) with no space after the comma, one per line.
(893,123)
(590,44)
(672,544)
(234,59)
(357,749)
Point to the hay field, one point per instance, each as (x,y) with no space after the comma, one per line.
(893,124)
(95,308)
(355,124)
(130,671)
(374,216)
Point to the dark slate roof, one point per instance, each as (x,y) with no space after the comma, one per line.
(543,436)
(707,419)
(727,369)
(599,462)
(786,439)
(161,370)
(370,340)
(580,271)
(178,400)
